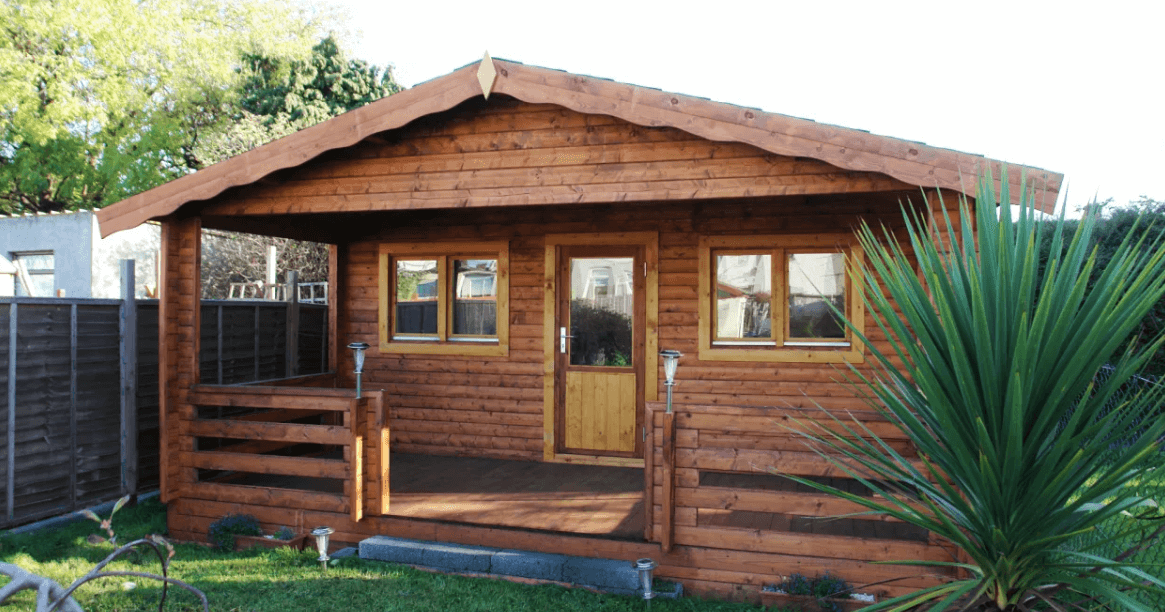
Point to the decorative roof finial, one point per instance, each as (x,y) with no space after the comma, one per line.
(486,75)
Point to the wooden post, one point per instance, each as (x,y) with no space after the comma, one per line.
(667,521)
(73,406)
(13,317)
(291,346)
(333,339)
(256,376)
(356,420)
(219,344)
(129,382)
(648,472)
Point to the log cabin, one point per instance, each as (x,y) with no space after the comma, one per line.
(517,245)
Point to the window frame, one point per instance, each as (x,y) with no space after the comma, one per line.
(444,342)
(16,256)
(778,347)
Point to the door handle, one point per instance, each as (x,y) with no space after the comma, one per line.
(562,336)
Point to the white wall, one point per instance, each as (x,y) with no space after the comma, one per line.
(140,244)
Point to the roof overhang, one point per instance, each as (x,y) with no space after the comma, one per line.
(911,162)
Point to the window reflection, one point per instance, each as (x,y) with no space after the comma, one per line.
(475,297)
(416,296)
(743,296)
(602,307)
(816,281)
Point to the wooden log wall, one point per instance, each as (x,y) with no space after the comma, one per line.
(492,406)
(178,349)
(454,176)
(717,485)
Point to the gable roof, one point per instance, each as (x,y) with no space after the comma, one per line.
(849,149)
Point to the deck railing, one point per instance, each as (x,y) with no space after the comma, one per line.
(715,482)
(265,422)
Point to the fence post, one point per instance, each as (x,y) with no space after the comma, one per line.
(73,406)
(292,344)
(11,495)
(129,382)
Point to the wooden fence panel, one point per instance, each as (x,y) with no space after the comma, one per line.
(60,375)
(97,417)
(43,443)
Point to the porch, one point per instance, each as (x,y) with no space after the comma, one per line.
(706,505)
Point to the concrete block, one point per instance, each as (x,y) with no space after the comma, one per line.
(395,550)
(457,558)
(525,564)
(603,574)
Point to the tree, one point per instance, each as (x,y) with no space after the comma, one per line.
(280,95)
(100,100)
(232,257)
(1142,218)
(994,375)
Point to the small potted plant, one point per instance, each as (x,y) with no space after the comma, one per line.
(242,531)
(826,593)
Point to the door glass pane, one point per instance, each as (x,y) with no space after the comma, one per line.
(602,309)
(475,297)
(743,296)
(416,296)
(816,280)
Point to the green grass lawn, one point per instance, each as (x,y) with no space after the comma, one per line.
(285,581)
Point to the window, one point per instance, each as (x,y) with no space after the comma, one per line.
(772,298)
(34,274)
(444,298)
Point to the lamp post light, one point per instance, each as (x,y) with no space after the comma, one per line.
(358,348)
(645,567)
(321,534)
(671,361)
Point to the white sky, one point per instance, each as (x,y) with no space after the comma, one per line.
(1070,86)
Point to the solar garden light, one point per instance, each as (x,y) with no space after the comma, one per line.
(358,348)
(321,534)
(645,567)
(671,361)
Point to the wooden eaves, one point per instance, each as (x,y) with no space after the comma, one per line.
(911,162)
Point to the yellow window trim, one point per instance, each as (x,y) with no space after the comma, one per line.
(778,351)
(444,343)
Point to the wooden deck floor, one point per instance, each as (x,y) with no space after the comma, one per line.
(580,499)
(593,500)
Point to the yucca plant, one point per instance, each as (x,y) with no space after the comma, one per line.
(991,371)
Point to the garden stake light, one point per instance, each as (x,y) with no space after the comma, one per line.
(671,361)
(645,566)
(321,534)
(358,349)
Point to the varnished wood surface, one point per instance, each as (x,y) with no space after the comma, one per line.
(908,163)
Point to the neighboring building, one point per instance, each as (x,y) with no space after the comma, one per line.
(62,254)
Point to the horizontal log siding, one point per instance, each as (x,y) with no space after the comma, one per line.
(514,154)
(493,406)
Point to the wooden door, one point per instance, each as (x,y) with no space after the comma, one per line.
(599,380)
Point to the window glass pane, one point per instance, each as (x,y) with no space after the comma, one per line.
(416,296)
(816,280)
(743,296)
(35,261)
(602,308)
(475,297)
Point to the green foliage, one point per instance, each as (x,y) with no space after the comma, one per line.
(601,336)
(1142,218)
(279,95)
(284,533)
(1000,395)
(223,531)
(822,588)
(103,99)
(106,524)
